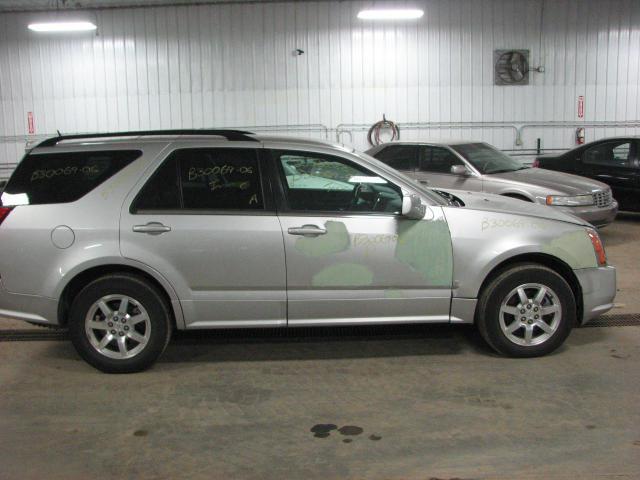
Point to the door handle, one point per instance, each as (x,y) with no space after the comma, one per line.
(152,228)
(307,230)
(424,182)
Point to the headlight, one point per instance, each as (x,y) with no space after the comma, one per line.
(565,201)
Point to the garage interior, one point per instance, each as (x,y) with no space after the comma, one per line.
(385,402)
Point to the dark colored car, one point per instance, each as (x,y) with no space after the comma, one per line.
(613,161)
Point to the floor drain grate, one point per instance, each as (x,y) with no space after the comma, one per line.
(616,320)
(32,335)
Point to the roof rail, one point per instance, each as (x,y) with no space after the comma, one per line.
(231,135)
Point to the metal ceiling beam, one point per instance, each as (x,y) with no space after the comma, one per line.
(48,6)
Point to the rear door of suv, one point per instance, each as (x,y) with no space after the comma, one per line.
(205,219)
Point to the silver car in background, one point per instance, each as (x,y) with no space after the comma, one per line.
(123,238)
(479,167)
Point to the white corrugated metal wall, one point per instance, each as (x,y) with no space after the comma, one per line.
(233,65)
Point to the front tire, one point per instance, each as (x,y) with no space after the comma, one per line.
(120,323)
(526,311)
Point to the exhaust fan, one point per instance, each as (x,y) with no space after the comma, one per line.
(511,67)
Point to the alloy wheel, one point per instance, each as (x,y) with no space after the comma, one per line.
(118,326)
(530,314)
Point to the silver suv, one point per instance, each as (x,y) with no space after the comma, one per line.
(124,237)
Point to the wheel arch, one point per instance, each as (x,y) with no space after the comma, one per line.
(82,277)
(549,261)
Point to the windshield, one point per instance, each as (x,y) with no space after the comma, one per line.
(437,199)
(487,159)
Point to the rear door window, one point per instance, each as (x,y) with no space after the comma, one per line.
(162,191)
(438,160)
(204,179)
(611,154)
(400,157)
(63,177)
(220,179)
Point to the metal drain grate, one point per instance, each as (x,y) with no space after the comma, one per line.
(616,320)
(32,335)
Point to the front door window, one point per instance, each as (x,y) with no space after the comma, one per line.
(324,183)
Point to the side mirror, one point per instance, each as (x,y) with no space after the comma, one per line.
(412,207)
(459,170)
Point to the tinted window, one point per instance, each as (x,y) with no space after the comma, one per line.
(615,154)
(63,177)
(161,192)
(400,157)
(487,159)
(439,160)
(220,179)
(315,182)
(209,179)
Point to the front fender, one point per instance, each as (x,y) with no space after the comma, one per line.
(483,240)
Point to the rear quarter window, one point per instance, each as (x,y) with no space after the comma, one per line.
(63,177)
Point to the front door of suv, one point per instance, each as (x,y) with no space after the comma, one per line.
(205,221)
(351,257)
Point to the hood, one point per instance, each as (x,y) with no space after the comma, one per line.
(563,183)
(500,204)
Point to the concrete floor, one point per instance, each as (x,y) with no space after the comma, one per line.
(413,402)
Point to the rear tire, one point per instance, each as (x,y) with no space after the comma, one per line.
(120,323)
(526,311)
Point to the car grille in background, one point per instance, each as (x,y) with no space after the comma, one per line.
(602,198)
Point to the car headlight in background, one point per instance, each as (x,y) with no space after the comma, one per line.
(566,201)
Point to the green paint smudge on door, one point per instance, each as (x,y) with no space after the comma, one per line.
(426,247)
(343,275)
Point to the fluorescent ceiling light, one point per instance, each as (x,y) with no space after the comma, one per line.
(62,26)
(390,14)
